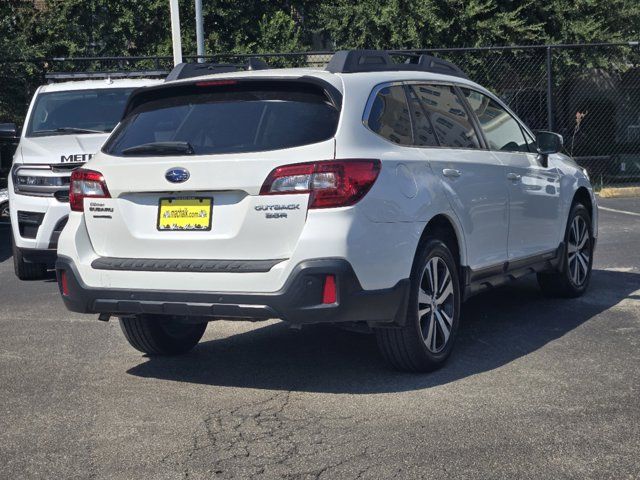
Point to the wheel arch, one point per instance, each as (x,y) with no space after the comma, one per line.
(445,228)
(583,196)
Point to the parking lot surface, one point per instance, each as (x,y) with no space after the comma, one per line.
(536,388)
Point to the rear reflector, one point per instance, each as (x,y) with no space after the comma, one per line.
(329,291)
(333,183)
(63,283)
(86,184)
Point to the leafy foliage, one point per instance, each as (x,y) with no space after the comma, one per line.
(129,27)
(68,28)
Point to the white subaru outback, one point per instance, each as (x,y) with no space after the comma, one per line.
(371,193)
(66,124)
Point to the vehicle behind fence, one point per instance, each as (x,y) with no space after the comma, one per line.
(588,93)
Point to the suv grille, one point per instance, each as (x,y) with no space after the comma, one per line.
(65,167)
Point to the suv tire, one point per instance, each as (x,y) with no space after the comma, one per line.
(425,342)
(26,270)
(161,334)
(572,278)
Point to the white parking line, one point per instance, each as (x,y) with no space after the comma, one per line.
(619,211)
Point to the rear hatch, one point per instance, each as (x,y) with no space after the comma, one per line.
(185,168)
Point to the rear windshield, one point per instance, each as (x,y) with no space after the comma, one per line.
(78,111)
(205,119)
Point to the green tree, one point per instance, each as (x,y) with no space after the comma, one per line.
(17,78)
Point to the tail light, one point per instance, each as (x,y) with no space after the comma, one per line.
(334,183)
(86,184)
(329,294)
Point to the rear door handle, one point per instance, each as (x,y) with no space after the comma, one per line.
(514,176)
(451,172)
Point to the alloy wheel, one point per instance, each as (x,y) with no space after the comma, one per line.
(436,304)
(579,251)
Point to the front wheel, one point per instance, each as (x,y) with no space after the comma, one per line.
(572,279)
(26,270)
(4,211)
(161,334)
(425,341)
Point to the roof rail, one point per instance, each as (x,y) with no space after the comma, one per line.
(191,70)
(354,61)
(67,76)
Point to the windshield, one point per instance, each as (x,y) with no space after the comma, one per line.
(78,111)
(229,119)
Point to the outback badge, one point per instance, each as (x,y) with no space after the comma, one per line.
(177,175)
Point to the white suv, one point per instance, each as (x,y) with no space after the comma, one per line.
(66,124)
(369,193)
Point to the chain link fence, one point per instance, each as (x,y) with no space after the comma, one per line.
(588,93)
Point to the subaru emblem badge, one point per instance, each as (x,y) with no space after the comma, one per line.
(177,175)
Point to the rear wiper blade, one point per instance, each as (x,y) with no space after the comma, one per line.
(160,148)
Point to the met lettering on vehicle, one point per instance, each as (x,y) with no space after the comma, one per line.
(78,157)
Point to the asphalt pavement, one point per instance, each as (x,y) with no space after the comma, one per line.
(536,388)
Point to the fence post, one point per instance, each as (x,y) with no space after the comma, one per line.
(550,106)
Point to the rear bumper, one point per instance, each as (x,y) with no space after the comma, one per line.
(299,301)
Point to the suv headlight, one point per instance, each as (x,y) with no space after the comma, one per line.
(33,180)
(38,181)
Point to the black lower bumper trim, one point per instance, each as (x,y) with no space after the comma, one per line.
(180,265)
(298,302)
(34,255)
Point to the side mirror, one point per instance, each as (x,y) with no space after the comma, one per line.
(8,131)
(548,143)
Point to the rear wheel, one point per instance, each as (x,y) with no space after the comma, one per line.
(26,270)
(572,279)
(425,341)
(161,334)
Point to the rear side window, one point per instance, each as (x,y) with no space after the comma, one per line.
(502,131)
(389,115)
(209,118)
(446,112)
(425,134)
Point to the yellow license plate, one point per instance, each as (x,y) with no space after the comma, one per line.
(192,213)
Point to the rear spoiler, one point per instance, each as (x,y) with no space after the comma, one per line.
(145,94)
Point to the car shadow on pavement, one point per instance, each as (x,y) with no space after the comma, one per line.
(5,242)
(497,328)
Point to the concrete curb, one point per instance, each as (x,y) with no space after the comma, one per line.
(618,192)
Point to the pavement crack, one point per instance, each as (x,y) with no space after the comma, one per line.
(276,437)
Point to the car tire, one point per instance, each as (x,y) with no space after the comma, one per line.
(425,342)
(572,278)
(161,334)
(4,211)
(26,270)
